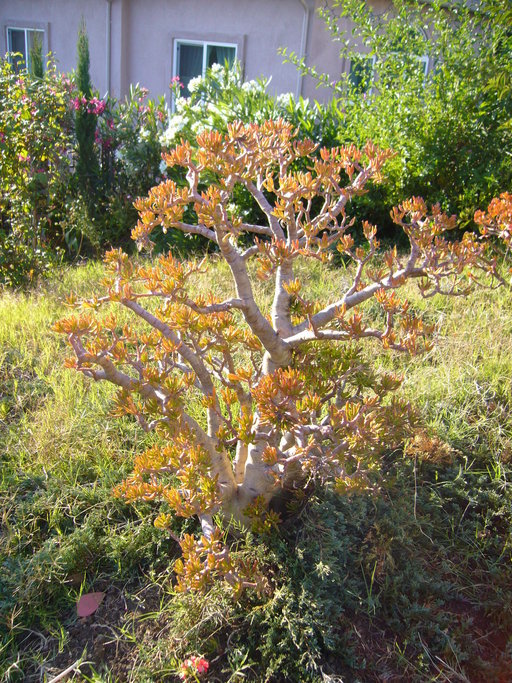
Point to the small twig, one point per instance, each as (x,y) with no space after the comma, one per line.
(73,668)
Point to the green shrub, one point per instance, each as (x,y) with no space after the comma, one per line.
(35,168)
(449,127)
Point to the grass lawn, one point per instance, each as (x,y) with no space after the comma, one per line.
(414,584)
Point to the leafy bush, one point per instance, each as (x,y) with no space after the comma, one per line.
(128,146)
(448,127)
(281,401)
(222,96)
(35,167)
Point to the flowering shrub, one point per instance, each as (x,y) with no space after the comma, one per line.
(128,140)
(35,167)
(92,106)
(222,96)
(287,397)
(127,147)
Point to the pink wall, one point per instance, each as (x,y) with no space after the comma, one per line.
(62,18)
(142,34)
(258,26)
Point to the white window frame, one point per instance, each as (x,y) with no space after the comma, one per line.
(26,29)
(204,44)
(24,25)
(426,61)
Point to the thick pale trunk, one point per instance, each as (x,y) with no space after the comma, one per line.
(258,481)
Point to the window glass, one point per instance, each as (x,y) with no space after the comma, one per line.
(24,41)
(218,54)
(193,58)
(16,43)
(190,63)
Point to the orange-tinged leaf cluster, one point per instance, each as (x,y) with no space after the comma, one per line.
(497,220)
(207,559)
(179,474)
(335,407)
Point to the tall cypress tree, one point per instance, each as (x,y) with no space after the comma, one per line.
(87,167)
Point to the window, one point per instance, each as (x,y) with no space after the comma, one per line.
(192,58)
(27,42)
(361,73)
(403,56)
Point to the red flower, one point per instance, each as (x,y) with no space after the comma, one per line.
(193,666)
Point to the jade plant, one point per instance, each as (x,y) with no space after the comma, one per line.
(250,402)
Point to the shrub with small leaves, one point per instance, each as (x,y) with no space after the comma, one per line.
(35,167)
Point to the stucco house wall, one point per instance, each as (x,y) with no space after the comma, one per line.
(60,20)
(132,41)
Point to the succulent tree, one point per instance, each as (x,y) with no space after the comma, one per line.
(285,393)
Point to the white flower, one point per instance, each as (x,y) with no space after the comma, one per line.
(252,86)
(144,134)
(198,127)
(163,167)
(176,123)
(181,103)
(194,83)
(284,100)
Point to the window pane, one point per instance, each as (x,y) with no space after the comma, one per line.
(218,54)
(35,52)
(190,64)
(361,73)
(16,39)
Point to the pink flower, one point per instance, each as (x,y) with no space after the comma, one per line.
(96,106)
(192,666)
(2,136)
